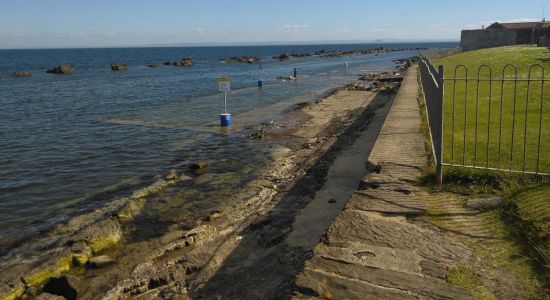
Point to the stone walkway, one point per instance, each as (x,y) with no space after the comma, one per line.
(370,250)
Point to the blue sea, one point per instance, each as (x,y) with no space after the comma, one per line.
(71,143)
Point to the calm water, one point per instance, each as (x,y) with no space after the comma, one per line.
(69,143)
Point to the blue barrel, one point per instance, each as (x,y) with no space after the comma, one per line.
(260,82)
(225,120)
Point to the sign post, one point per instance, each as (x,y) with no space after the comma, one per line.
(224,86)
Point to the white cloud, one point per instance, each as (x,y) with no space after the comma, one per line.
(201,31)
(296,29)
(384,30)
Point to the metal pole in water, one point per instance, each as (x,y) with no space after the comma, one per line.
(224,86)
(225,103)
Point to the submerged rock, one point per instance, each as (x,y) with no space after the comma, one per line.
(258,134)
(62,69)
(173,175)
(22,74)
(200,167)
(101,261)
(119,67)
(154,65)
(132,208)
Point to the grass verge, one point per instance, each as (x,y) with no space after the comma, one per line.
(487,122)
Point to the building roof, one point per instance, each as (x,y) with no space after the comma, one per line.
(517,26)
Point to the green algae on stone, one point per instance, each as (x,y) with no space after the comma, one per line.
(14,294)
(38,279)
(103,243)
(81,253)
(80,259)
(131,209)
(102,235)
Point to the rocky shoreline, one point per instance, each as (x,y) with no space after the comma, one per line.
(189,62)
(326,53)
(91,247)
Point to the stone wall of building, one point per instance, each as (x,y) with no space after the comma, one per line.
(484,38)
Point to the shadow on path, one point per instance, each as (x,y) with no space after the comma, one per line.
(263,265)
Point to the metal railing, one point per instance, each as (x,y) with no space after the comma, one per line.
(487,122)
(432,85)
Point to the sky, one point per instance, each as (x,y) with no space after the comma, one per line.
(114,23)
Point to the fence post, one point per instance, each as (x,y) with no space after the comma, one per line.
(438,138)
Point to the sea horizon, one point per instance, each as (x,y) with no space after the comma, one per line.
(249,44)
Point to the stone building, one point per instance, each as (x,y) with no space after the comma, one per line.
(504,34)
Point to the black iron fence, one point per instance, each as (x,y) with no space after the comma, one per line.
(496,121)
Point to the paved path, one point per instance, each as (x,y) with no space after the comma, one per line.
(370,250)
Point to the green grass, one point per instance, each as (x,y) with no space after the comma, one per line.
(499,265)
(463,276)
(494,124)
(533,209)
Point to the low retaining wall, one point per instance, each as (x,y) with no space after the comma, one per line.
(484,38)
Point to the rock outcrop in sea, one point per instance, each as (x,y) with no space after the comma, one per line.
(119,66)
(22,74)
(242,59)
(61,69)
(184,62)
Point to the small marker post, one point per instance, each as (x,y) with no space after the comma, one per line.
(224,86)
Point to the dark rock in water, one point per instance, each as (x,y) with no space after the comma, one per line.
(167,63)
(243,59)
(1,76)
(67,286)
(62,69)
(258,134)
(101,261)
(22,73)
(283,56)
(119,67)
(48,296)
(173,175)
(130,210)
(200,167)
(154,65)
(184,62)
